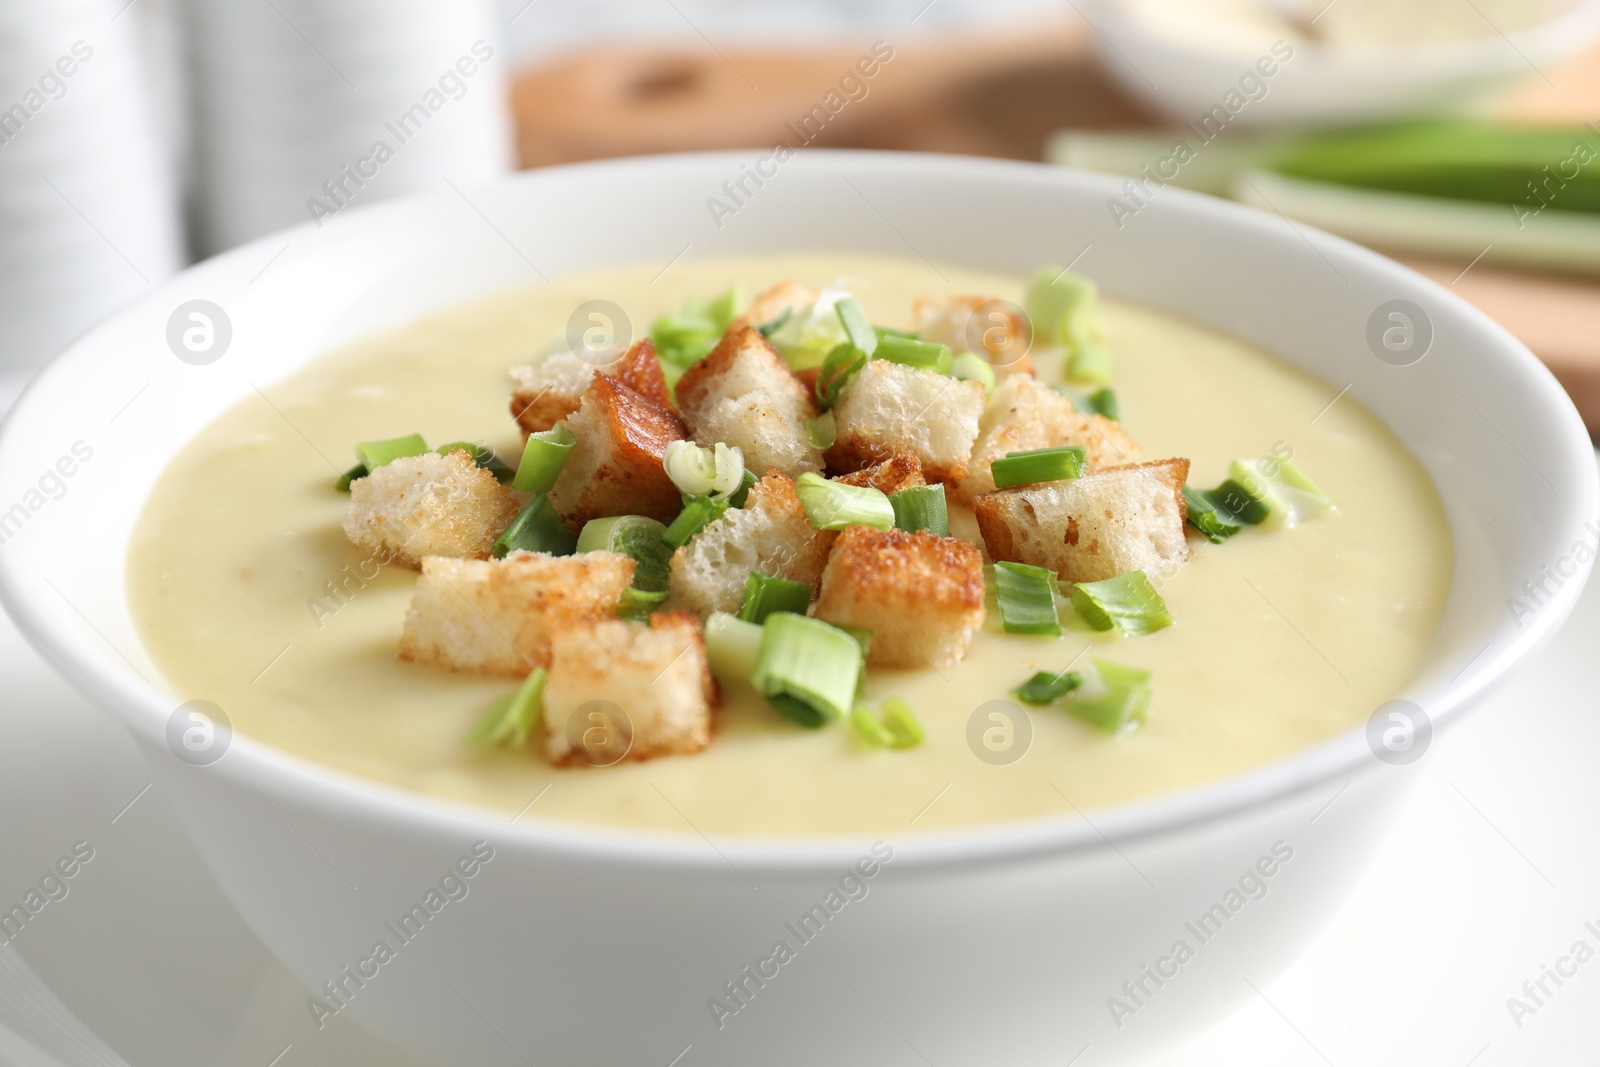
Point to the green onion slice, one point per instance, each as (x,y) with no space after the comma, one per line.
(635,536)
(1091,363)
(696,471)
(807,669)
(806,337)
(355,473)
(822,431)
(1064,308)
(1039,465)
(894,726)
(1128,602)
(537,528)
(637,604)
(1281,487)
(483,457)
(890,331)
(856,327)
(838,370)
(913,353)
(510,720)
(1102,401)
(1027,599)
(922,507)
(971,367)
(542,459)
(1112,698)
(767,593)
(732,646)
(747,482)
(835,505)
(1046,688)
(374,454)
(698,512)
(766,328)
(1222,512)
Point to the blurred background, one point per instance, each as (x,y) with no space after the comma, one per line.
(140,135)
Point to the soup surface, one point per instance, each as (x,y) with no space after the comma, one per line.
(1282,637)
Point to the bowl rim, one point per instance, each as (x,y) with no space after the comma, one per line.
(144,708)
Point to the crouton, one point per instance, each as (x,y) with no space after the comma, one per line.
(1001,336)
(1106,523)
(744,394)
(901,470)
(785,296)
(550,391)
(636,691)
(499,616)
(889,406)
(769,534)
(1024,413)
(429,505)
(920,594)
(615,467)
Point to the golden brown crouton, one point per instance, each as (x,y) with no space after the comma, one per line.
(547,392)
(499,616)
(901,470)
(889,406)
(1108,522)
(920,594)
(640,370)
(743,394)
(1000,335)
(429,505)
(1025,413)
(769,534)
(623,690)
(615,468)
(785,296)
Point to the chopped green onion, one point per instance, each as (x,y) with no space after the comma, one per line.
(894,727)
(510,720)
(537,528)
(835,505)
(1027,599)
(766,593)
(766,328)
(635,536)
(1103,401)
(696,471)
(807,336)
(723,309)
(1064,308)
(822,431)
(542,459)
(890,331)
(1281,487)
(683,340)
(1046,688)
(698,512)
(637,604)
(670,373)
(355,473)
(971,367)
(747,482)
(1091,363)
(1039,465)
(1222,512)
(913,353)
(856,327)
(483,457)
(732,646)
(374,454)
(1112,698)
(1128,602)
(837,371)
(807,669)
(922,507)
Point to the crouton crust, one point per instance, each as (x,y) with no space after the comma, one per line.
(946,320)
(889,406)
(657,676)
(769,534)
(1024,413)
(547,392)
(902,470)
(640,370)
(743,394)
(615,467)
(768,305)
(920,594)
(499,616)
(429,505)
(1108,522)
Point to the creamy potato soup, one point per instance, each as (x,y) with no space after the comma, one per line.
(241,582)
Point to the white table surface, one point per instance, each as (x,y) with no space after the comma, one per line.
(1489,875)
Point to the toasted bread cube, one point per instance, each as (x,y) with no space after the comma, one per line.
(429,505)
(889,406)
(615,467)
(901,470)
(550,391)
(1108,522)
(640,370)
(651,684)
(785,296)
(744,394)
(1000,335)
(769,534)
(920,594)
(1024,413)
(498,616)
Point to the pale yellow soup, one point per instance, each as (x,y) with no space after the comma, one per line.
(1283,637)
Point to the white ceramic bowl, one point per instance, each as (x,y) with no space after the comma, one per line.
(576,946)
(1322,85)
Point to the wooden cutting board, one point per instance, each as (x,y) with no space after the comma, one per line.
(995,96)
